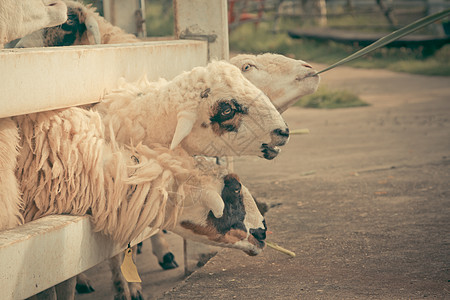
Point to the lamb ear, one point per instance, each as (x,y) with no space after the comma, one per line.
(186,120)
(92,27)
(214,202)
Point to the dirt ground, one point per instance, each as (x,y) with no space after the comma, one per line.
(363,200)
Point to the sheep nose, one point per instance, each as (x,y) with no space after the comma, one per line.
(259,233)
(307,65)
(282,132)
(280,136)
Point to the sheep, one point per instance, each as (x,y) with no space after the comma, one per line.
(66,166)
(212,111)
(264,71)
(110,120)
(21,17)
(284,80)
(84,26)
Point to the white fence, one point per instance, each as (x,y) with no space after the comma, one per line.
(44,252)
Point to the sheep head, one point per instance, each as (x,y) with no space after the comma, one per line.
(80,28)
(284,80)
(21,17)
(223,114)
(195,198)
(221,211)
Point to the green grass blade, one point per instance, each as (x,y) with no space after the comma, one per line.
(391,37)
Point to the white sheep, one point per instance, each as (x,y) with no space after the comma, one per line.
(65,166)
(84,26)
(21,17)
(210,110)
(213,100)
(284,80)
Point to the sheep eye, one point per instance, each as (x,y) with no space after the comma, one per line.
(247,67)
(226,111)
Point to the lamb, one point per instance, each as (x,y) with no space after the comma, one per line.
(21,17)
(67,167)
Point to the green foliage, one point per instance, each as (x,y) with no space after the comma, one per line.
(250,40)
(326,98)
(159,18)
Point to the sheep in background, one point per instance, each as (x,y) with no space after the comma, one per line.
(21,17)
(284,80)
(84,26)
(66,167)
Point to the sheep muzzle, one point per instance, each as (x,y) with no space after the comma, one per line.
(269,152)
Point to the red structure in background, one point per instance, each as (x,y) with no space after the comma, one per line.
(239,15)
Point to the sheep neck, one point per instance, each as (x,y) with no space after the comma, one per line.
(142,189)
(146,114)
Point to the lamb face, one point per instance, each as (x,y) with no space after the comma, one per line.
(232,118)
(282,79)
(30,15)
(230,220)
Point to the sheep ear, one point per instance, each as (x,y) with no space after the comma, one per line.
(214,202)
(92,27)
(185,123)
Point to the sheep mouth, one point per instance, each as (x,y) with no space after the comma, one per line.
(307,75)
(269,152)
(259,246)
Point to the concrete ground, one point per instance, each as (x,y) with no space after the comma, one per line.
(363,200)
